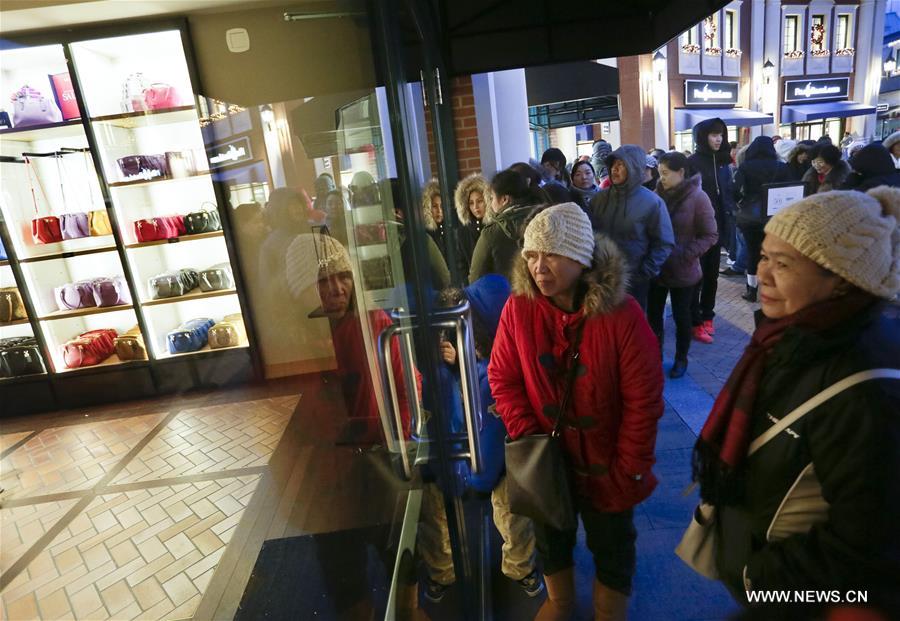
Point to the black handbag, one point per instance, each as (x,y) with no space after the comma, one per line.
(20,356)
(538,480)
(202,222)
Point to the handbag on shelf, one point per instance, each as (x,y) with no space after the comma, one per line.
(133,93)
(802,507)
(130,346)
(71,225)
(110,291)
(31,108)
(20,356)
(203,221)
(229,332)
(5,121)
(159,228)
(44,229)
(180,164)
(89,348)
(192,335)
(79,294)
(143,166)
(173,284)
(537,476)
(216,278)
(11,306)
(160,96)
(98,223)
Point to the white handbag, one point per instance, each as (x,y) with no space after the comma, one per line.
(801,508)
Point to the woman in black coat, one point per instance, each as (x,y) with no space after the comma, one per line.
(830,267)
(761,166)
(872,166)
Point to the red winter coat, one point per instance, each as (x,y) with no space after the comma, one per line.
(610,429)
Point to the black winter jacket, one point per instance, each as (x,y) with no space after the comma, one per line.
(466,237)
(872,166)
(500,242)
(761,166)
(714,168)
(853,441)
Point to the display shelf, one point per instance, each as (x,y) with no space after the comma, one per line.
(130,120)
(142,182)
(109,362)
(204,350)
(84,312)
(50,131)
(17,322)
(173,240)
(68,254)
(198,295)
(20,378)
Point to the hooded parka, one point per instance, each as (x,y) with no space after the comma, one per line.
(714,167)
(634,217)
(872,166)
(500,242)
(468,234)
(609,432)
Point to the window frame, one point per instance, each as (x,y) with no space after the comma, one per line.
(793,20)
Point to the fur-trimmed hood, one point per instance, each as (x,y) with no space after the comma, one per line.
(432,189)
(606,280)
(472,183)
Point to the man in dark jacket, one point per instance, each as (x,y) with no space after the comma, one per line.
(635,218)
(711,158)
(872,166)
(761,166)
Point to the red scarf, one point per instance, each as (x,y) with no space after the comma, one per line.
(725,437)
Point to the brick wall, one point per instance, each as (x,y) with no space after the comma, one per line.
(465,128)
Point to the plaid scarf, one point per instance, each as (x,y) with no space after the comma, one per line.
(725,438)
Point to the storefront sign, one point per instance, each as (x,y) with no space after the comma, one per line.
(229,153)
(710,93)
(807,91)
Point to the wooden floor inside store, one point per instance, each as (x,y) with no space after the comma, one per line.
(158,509)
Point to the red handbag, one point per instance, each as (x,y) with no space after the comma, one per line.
(90,348)
(163,227)
(46,229)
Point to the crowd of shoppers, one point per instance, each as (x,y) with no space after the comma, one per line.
(569,267)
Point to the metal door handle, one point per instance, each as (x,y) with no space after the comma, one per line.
(392,401)
(458,318)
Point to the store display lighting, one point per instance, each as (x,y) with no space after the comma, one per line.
(267,115)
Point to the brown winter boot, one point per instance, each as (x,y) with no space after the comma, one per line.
(609,604)
(560,602)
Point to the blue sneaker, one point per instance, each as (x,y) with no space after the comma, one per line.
(532,584)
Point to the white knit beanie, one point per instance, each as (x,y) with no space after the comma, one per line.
(852,234)
(564,230)
(311,257)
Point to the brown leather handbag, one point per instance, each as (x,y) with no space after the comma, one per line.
(11,306)
(130,346)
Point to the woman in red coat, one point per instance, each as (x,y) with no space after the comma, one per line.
(563,279)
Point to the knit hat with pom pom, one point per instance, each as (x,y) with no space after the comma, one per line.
(851,234)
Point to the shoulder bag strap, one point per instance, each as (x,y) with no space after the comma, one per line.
(30,172)
(59,175)
(571,372)
(818,400)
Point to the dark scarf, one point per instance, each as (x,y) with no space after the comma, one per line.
(725,438)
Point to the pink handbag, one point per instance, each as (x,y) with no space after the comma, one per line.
(161,96)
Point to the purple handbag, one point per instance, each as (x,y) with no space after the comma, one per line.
(32,108)
(75,295)
(74,225)
(148,166)
(110,291)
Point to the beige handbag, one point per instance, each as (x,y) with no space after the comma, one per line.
(130,346)
(801,508)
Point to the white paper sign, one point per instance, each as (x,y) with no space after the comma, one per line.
(781,197)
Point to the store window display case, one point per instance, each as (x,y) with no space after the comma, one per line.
(118,247)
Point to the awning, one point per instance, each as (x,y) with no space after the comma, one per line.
(572,113)
(553,84)
(686,118)
(827,110)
